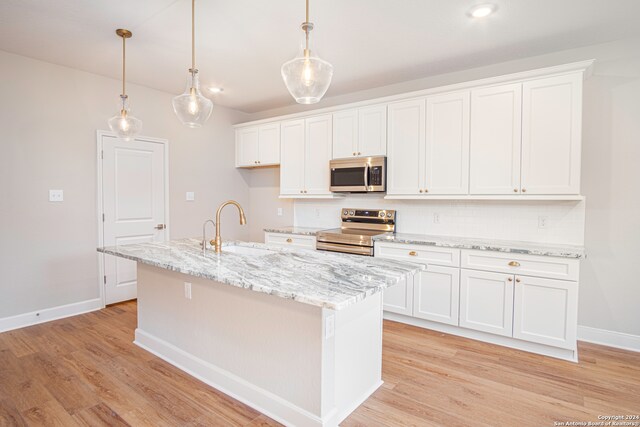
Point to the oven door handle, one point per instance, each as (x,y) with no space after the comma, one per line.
(366,176)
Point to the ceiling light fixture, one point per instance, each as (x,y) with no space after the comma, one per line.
(482,10)
(124,124)
(307,77)
(192,108)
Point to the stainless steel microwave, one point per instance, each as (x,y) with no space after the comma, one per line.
(361,175)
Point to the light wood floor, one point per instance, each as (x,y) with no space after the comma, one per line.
(85,370)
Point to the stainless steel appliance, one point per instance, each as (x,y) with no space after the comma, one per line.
(355,236)
(363,175)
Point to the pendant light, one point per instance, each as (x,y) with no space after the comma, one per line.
(124,124)
(307,76)
(191,107)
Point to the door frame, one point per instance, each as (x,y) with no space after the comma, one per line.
(100,201)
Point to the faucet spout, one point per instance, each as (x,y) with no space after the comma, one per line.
(243,221)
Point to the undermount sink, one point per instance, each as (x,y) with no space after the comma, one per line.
(246,250)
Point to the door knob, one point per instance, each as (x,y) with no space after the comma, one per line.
(160,227)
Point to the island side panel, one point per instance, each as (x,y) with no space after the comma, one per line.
(264,350)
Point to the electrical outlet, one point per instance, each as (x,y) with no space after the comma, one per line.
(279,211)
(436,218)
(330,326)
(56,195)
(187,290)
(190,196)
(542,222)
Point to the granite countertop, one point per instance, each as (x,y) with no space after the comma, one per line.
(318,278)
(303,231)
(516,247)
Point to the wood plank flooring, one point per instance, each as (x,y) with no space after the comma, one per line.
(85,371)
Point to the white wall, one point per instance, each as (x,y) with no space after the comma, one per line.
(48,117)
(610,218)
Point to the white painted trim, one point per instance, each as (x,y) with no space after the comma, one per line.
(49,314)
(609,338)
(359,401)
(582,66)
(545,350)
(100,201)
(568,197)
(262,400)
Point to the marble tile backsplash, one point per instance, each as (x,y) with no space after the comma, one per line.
(529,221)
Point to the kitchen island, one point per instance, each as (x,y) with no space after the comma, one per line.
(296,334)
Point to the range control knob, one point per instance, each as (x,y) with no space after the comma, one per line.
(381,214)
(352,213)
(345,213)
(389,215)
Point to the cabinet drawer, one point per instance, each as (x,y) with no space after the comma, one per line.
(290,240)
(419,253)
(528,265)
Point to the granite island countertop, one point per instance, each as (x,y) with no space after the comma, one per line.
(324,279)
(515,247)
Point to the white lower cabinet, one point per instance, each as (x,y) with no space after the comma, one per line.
(546,311)
(399,298)
(290,240)
(436,293)
(486,301)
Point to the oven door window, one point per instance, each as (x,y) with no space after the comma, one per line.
(348,177)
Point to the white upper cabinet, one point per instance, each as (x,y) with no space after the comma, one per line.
(551,135)
(360,132)
(305,155)
(405,162)
(447,144)
(317,155)
(258,145)
(292,157)
(496,126)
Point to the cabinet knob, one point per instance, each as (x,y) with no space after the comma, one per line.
(524,190)
(359,153)
(426,190)
(515,190)
(354,153)
(301,191)
(510,279)
(514,264)
(413,253)
(289,240)
(517,280)
(421,190)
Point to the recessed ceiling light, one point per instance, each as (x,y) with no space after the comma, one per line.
(482,10)
(216,90)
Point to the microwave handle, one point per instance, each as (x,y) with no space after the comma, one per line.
(366,176)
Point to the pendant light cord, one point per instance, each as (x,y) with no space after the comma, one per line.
(306,31)
(193,35)
(124,59)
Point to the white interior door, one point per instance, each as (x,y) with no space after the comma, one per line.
(133,202)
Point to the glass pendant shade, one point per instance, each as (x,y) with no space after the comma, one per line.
(307,78)
(192,108)
(123,124)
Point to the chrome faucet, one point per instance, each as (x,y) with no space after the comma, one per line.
(243,221)
(204,236)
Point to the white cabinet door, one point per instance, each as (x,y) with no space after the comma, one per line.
(269,144)
(317,154)
(290,240)
(436,294)
(551,135)
(292,156)
(486,301)
(372,135)
(247,146)
(496,124)
(545,311)
(447,144)
(399,298)
(406,147)
(345,134)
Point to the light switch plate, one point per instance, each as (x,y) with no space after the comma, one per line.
(190,196)
(187,290)
(56,195)
(279,211)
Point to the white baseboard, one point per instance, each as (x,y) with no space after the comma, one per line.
(609,338)
(49,314)
(230,384)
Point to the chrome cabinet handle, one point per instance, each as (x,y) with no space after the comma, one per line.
(160,227)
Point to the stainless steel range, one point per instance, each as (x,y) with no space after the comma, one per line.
(355,236)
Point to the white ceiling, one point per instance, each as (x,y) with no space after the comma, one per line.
(242,43)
